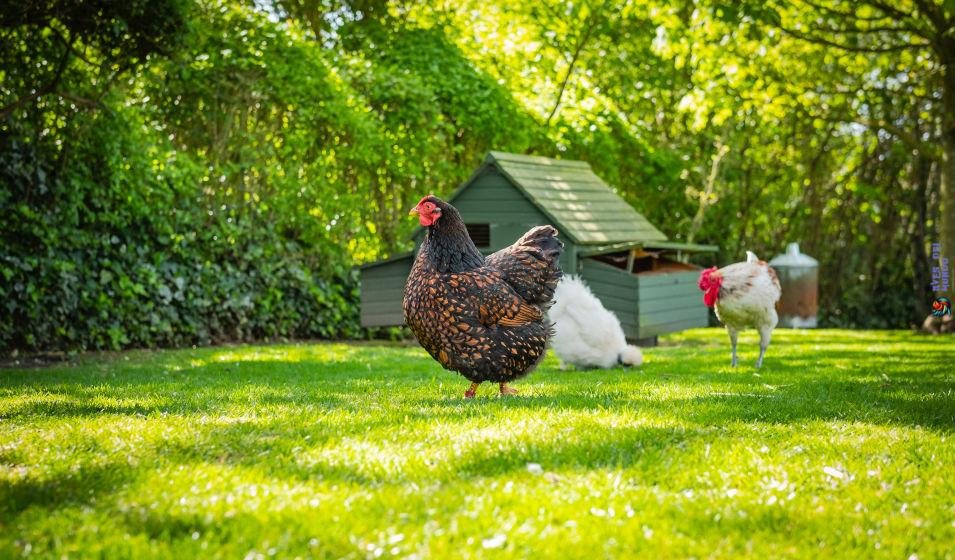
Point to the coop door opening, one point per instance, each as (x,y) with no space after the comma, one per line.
(639,261)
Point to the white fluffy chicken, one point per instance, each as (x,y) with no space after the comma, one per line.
(586,334)
(745,295)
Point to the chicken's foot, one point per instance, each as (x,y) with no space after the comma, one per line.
(505,390)
(472,390)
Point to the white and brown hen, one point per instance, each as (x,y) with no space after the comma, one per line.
(744,295)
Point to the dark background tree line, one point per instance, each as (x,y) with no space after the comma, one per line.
(178,171)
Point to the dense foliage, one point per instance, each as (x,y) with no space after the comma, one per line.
(176,172)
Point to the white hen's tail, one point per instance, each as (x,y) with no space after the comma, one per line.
(751,257)
(631,356)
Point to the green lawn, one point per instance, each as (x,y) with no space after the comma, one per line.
(841,446)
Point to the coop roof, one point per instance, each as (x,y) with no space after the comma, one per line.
(570,194)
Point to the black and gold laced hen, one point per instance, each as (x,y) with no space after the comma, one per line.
(482,317)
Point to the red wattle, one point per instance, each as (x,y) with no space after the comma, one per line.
(711,295)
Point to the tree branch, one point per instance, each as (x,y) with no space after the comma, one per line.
(889,10)
(79,100)
(840,13)
(879,29)
(570,68)
(936,16)
(851,48)
(6,110)
(928,149)
(708,188)
(69,44)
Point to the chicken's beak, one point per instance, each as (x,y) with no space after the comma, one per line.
(413,212)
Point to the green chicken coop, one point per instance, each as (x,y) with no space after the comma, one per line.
(630,265)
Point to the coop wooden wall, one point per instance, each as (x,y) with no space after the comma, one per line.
(647,305)
(616,290)
(382,291)
(670,302)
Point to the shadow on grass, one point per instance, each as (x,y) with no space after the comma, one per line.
(74,408)
(592,446)
(80,486)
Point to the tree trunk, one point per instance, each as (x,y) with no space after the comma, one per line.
(947,187)
(947,225)
(924,171)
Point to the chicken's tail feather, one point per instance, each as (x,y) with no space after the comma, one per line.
(631,356)
(545,239)
(531,265)
(751,257)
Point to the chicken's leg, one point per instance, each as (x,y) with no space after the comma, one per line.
(764,335)
(472,390)
(505,390)
(734,335)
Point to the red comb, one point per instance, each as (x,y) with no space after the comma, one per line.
(704,281)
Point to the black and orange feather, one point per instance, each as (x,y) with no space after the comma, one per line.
(482,317)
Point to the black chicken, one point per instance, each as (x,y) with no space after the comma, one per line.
(482,317)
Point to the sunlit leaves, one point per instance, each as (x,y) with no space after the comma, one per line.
(295,133)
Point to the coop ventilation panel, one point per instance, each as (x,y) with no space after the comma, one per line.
(480,234)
